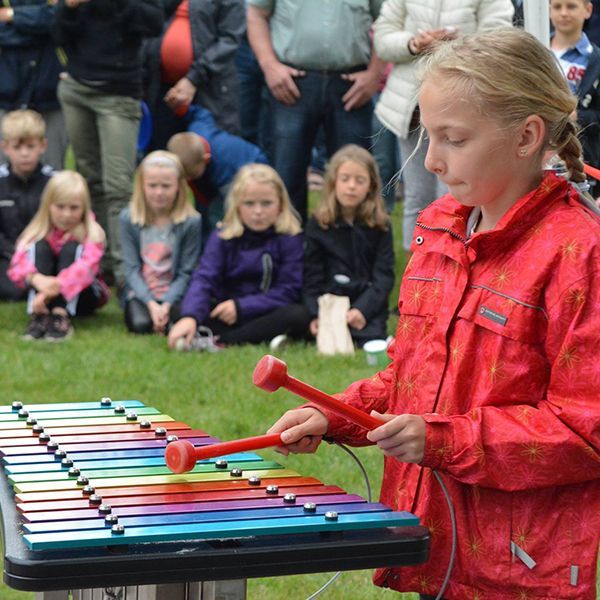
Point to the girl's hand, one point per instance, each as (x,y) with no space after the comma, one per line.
(425,39)
(314,327)
(402,436)
(225,311)
(38,305)
(184,328)
(355,319)
(301,430)
(46,284)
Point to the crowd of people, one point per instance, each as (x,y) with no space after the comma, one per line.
(207,236)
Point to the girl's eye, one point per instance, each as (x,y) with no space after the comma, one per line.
(454,142)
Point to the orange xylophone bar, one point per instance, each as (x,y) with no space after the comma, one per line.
(270,374)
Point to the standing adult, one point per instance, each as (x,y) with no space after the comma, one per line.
(321,71)
(193,62)
(29,66)
(404,32)
(100,96)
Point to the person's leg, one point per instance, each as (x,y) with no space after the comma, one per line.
(137,316)
(165,122)
(118,121)
(420,186)
(80,122)
(342,126)
(57,138)
(384,147)
(294,129)
(292,320)
(8,290)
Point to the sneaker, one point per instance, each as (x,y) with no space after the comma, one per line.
(278,342)
(59,328)
(204,341)
(36,330)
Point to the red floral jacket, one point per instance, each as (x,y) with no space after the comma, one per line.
(497,348)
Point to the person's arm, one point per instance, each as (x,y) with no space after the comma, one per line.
(189,253)
(82,272)
(206,278)
(279,77)
(21,266)
(286,285)
(492,14)
(30,19)
(390,36)
(382,279)
(132,260)
(364,83)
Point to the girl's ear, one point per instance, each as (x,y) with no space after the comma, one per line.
(532,136)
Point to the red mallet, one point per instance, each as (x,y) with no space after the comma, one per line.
(270,374)
(181,456)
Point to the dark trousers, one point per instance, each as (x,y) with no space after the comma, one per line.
(8,290)
(137,316)
(295,128)
(292,320)
(48,263)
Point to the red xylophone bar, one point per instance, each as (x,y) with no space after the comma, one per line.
(270,374)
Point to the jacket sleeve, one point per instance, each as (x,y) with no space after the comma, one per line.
(81,273)
(230,27)
(144,17)
(21,265)
(189,252)
(34,19)
(286,286)
(132,260)
(390,36)
(315,274)
(494,13)
(371,301)
(556,442)
(205,279)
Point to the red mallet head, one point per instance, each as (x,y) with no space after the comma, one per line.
(270,373)
(180,456)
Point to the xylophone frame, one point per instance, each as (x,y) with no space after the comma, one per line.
(208,561)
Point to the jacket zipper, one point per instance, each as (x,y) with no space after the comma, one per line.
(449,231)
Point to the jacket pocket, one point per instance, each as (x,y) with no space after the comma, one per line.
(420,296)
(505,315)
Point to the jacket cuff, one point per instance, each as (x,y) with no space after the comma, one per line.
(438,440)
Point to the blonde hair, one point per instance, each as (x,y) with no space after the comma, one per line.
(63,185)
(23,124)
(371,210)
(508,75)
(190,149)
(288,220)
(181,209)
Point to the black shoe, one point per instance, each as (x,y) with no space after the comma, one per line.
(59,328)
(36,330)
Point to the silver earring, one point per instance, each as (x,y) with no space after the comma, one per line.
(523,152)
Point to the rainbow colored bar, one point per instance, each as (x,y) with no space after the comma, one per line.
(92,474)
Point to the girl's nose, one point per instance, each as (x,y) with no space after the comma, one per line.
(432,163)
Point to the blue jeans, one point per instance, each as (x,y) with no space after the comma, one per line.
(386,153)
(295,128)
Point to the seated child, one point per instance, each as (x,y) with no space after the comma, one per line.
(250,275)
(211,157)
(580,62)
(22,181)
(348,248)
(160,238)
(58,257)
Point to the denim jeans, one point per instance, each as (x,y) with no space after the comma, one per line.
(295,128)
(103,130)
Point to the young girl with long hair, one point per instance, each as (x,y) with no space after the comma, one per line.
(161,239)
(58,257)
(494,382)
(349,249)
(248,282)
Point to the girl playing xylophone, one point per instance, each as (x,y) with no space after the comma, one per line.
(160,236)
(58,257)
(494,381)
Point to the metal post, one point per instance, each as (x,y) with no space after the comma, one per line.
(537,19)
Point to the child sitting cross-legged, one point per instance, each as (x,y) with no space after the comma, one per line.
(247,285)
(58,257)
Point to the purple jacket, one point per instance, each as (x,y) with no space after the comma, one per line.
(261,271)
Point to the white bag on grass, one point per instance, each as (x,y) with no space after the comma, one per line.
(333,335)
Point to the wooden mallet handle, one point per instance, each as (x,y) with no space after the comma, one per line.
(182,455)
(270,374)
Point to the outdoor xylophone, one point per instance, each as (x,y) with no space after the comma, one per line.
(93,505)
